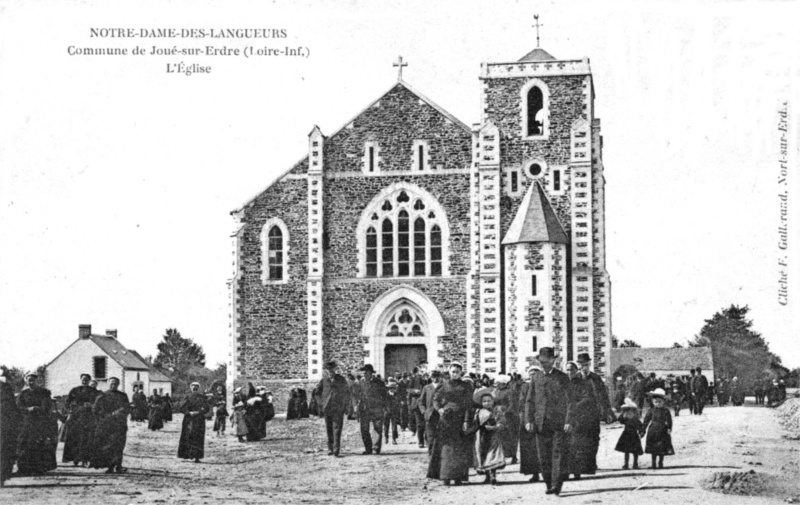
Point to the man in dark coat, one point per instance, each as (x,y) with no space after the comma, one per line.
(111,410)
(334,397)
(9,423)
(699,391)
(596,408)
(452,454)
(548,412)
(81,423)
(193,431)
(373,399)
(429,413)
(416,417)
(690,392)
(38,435)
(528,450)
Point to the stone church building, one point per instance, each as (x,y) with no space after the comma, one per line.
(408,237)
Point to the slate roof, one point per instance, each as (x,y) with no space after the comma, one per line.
(127,359)
(538,54)
(536,221)
(155,373)
(662,358)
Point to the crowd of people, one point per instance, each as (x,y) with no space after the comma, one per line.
(94,425)
(549,424)
(552,421)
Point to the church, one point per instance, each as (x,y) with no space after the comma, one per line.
(408,237)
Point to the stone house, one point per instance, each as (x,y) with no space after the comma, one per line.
(664,361)
(408,237)
(102,356)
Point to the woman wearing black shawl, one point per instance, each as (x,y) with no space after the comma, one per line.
(193,431)
(80,425)
(452,453)
(38,436)
(253,414)
(155,418)
(111,409)
(166,403)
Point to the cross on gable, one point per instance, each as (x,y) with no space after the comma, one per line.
(400,66)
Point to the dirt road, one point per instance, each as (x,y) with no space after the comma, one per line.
(291,466)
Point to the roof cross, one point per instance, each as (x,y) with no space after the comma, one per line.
(400,66)
(537,25)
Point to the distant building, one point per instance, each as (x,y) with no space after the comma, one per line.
(664,360)
(102,356)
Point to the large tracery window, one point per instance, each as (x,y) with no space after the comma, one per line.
(403,237)
(406,322)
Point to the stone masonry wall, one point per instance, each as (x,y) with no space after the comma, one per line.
(273,334)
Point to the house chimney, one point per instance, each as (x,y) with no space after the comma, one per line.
(111,333)
(84,330)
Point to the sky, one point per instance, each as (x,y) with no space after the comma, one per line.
(117,179)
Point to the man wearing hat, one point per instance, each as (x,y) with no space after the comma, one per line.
(334,397)
(111,410)
(594,409)
(528,450)
(699,391)
(416,417)
(549,409)
(80,424)
(430,416)
(373,400)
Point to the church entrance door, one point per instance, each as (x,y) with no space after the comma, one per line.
(404,357)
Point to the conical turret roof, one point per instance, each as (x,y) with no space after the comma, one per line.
(536,220)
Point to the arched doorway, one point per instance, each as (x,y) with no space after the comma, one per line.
(402,327)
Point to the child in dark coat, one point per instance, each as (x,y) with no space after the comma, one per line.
(629,442)
(220,419)
(658,424)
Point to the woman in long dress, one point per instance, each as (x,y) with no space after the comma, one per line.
(193,430)
(452,453)
(111,410)
(155,418)
(80,425)
(38,437)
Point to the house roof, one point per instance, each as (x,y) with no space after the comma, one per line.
(119,353)
(538,54)
(536,221)
(400,83)
(662,358)
(155,373)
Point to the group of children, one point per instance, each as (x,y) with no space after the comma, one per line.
(657,425)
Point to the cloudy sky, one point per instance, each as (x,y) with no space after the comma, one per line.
(117,178)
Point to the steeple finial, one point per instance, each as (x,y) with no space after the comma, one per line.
(537,25)
(400,66)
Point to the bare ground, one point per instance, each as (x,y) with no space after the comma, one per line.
(291,466)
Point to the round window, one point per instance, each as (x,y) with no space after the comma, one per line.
(535,170)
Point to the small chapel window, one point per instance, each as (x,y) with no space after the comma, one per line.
(275,249)
(533,285)
(535,111)
(556,180)
(420,155)
(371,157)
(514,181)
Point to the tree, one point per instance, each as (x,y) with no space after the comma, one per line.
(178,354)
(676,345)
(737,349)
(629,343)
(14,376)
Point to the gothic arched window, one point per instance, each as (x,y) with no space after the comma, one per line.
(274,251)
(403,233)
